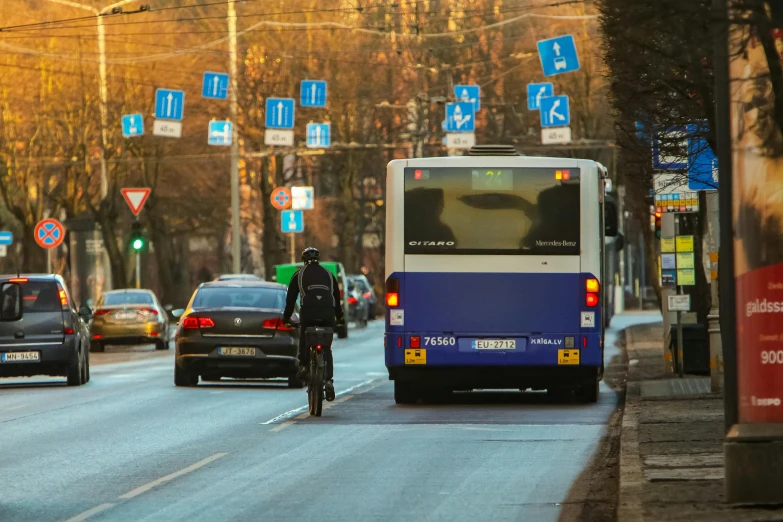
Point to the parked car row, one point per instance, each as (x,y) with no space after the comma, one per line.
(232,327)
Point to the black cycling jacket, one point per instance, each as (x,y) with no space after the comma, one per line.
(320,294)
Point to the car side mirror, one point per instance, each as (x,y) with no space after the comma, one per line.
(168,308)
(178,312)
(85,312)
(11,302)
(619,242)
(610,219)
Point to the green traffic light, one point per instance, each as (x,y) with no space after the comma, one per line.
(137,244)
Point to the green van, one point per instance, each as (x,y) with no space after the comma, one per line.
(284,273)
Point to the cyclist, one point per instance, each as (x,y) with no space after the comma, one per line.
(320,306)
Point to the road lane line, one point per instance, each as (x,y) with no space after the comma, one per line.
(290,413)
(90,512)
(148,486)
(15,407)
(282,426)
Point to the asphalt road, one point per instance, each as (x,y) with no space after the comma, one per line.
(130,446)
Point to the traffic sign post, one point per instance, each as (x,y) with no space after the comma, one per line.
(537,91)
(49,233)
(292,221)
(319,135)
(313,93)
(220,133)
(302,198)
(280,113)
(169,104)
(555,112)
(460,117)
(469,93)
(132,125)
(215,86)
(558,55)
(281,198)
(136,198)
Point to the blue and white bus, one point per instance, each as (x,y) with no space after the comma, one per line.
(493,274)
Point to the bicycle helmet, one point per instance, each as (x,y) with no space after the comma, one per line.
(310,255)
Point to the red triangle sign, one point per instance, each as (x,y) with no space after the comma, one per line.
(135,198)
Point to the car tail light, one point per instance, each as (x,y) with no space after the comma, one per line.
(18,280)
(97,336)
(318,347)
(149,311)
(415,341)
(591,299)
(197,322)
(276,324)
(154,334)
(367,295)
(352,300)
(68,331)
(100,312)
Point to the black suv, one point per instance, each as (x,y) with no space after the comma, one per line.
(41,333)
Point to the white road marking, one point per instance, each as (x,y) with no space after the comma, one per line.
(282,426)
(90,512)
(148,486)
(12,408)
(290,413)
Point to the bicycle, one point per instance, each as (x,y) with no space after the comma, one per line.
(318,339)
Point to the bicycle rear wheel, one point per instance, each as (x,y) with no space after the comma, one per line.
(315,393)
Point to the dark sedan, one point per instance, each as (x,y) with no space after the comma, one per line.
(235,329)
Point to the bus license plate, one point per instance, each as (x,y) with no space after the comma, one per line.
(251,352)
(495,344)
(20,357)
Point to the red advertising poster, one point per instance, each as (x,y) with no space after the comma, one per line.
(757,160)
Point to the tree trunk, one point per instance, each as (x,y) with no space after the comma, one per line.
(348,230)
(270,242)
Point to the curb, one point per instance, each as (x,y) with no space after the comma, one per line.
(629,504)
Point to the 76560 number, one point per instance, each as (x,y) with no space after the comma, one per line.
(440,341)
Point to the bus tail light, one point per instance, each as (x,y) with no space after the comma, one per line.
(592,287)
(393,292)
(415,341)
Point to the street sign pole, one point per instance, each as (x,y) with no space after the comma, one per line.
(235,224)
(292,238)
(48,260)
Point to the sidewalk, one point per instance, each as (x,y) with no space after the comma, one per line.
(671,454)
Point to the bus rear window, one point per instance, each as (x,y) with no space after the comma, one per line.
(463,210)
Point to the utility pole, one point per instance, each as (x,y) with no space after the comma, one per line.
(236,250)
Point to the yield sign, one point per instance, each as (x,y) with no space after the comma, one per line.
(136,197)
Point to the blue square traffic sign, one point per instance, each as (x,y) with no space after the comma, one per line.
(319,135)
(313,93)
(169,105)
(220,133)
(292,221)
(558,55)
(469,93)
(280,113)
(555,112)
(670,149)
(460,117)
(132,125)
(536,91)
(6,238)
(215,86)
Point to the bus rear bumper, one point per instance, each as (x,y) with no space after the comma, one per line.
(496,377)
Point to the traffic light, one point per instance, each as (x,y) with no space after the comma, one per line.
(137,239)
(658,216)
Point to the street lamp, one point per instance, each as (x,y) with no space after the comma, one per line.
(99,14)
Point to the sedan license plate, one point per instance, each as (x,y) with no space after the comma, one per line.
(12,357)
(247,352)
(495,344)
(125,316)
